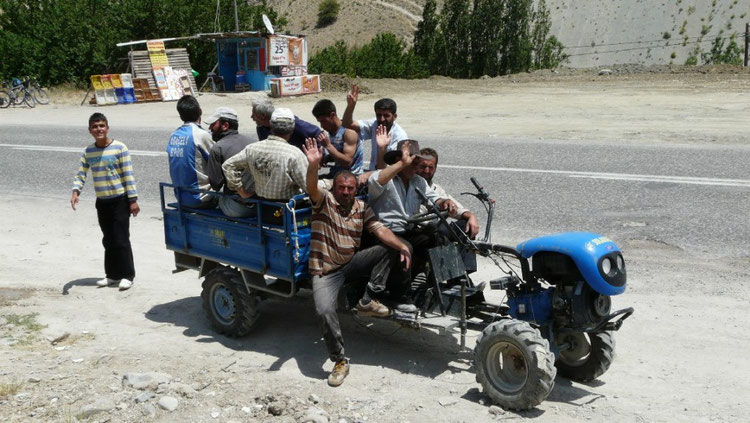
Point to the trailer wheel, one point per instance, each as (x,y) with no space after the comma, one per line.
(588,356)
(514,364)
(231,309)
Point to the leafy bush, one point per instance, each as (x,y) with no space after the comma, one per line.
(328,12)
(385,56)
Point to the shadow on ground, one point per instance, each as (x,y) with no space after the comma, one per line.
(85,282)
(288,330)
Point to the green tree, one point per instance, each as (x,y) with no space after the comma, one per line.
(328,12)
(455,28)
(428,41)
(68,40)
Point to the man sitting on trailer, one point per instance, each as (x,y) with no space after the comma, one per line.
(466,220)
(393,197)
(338,220)
(278,169)
(187,149)
(224,126)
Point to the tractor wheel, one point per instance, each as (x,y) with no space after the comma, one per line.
(588,357)
(514,364)
(231,309)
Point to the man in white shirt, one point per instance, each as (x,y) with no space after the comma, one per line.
(385,117)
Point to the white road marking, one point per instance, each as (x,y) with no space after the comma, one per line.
(689,180)
(147,153)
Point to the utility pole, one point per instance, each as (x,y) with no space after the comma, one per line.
(747,41)
(237,23)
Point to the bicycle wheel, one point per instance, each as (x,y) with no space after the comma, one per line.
(41,96)
(5,99)
(29,99)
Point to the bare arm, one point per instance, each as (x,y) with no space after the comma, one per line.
(387,237)
(391,171)
(342,158)
(314,154)
(351,102)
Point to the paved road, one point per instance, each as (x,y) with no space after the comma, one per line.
(692,197)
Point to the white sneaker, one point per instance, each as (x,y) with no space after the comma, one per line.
(107,282)
(125,284)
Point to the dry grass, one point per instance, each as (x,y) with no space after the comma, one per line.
(9,389)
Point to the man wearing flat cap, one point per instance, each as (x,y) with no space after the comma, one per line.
(393,198)
(278,168)
(188,149)
(224,125)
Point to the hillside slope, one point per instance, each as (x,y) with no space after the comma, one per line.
(596,33)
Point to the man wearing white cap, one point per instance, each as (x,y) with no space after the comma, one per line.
(278,168)
(188,149)
(224,125)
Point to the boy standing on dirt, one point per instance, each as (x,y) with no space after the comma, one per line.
(116,200)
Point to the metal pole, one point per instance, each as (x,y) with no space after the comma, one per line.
(747,41)
(236,19)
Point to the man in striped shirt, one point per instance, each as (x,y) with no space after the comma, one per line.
(335,259)
(116,200)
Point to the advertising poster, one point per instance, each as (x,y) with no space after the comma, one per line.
(161,84)
(310,84)
(174,85)
(296,47)
(278,51)
(157,53)
(296,85)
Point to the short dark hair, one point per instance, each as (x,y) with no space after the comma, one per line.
(188,108)
(233,124)
(97,117)
(323,107)
(429,152)
(343,174)
(387,104)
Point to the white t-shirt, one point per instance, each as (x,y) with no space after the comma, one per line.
(368,130)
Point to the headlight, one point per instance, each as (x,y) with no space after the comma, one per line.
(606,265)
(620,263)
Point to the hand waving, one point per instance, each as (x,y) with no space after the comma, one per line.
(313,153)
(382,137)
(353,96)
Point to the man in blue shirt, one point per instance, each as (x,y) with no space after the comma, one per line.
(262,111)
(188,151)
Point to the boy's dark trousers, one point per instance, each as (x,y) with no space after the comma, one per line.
(114,220)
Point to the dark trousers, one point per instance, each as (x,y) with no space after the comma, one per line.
(371,265)
(114,220)
(418,241)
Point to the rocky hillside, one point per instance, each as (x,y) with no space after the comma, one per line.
(596,33)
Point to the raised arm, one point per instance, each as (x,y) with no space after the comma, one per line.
(351,102)
(391,171)
(314,154)
(383,140)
